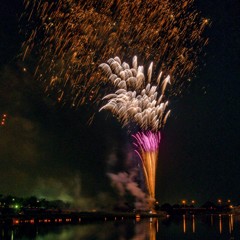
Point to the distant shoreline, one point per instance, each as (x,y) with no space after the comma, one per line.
(74,217)
(78,217)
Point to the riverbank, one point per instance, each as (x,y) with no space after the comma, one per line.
(73,217)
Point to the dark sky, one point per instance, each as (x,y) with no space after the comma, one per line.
(49,151)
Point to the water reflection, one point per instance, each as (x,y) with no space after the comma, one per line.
(193,224)
(220,223)
(146,230)
(230,223)
(211,219)
(184,224)
(174,228)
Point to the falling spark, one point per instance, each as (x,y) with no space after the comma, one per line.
(70,38)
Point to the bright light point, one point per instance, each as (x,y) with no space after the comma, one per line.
(24,69)
(205,20)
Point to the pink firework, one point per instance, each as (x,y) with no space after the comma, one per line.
(147,141)
(147,144)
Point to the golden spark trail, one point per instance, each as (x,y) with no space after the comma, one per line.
(72,37)
(148,145)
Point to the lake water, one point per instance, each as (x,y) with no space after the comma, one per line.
(207,227)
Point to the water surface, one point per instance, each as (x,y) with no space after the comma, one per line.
(207,227)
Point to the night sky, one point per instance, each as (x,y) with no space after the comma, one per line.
(49,151)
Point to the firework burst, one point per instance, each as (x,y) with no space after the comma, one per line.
(147,144)
(70,38)
(132,103)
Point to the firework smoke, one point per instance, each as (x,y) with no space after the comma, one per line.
(70,38)
(131,103)
(125,183)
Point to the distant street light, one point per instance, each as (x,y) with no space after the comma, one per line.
(184,202)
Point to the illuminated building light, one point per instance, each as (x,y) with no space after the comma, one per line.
(138,219)
(15,221)
(184,202)
(138,216)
